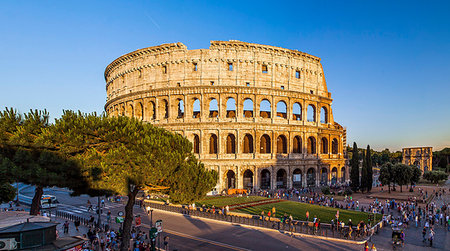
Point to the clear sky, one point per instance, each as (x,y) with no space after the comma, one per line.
(387,63)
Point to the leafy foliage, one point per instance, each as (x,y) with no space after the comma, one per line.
(387,175)
(369,169)
(354,171)
(435,176)
(402,174)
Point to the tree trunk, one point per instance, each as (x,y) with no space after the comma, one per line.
(128,221)
(401,188)
(36,202)
(389,187)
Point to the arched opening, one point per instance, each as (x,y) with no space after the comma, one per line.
(334,175)
(417,164)
(231,108)
(231,143)
(311,113)
(324,145)
(343,175)
(248,143)
(248,179)
(323,176)
(265,179)
(311,145)
(180,109)
(281,110)
(311,177)
(130,112)
(231,180)
(196,144)
(213,144)
(297,146)
(152,110)
(334,146)
(297,111)
(281,179)
(248,108)
(265,109)
(196,109)
(281,144)
(122,110)
(265,144)
(297,178)
(323,115)
(165,108)
(213,108)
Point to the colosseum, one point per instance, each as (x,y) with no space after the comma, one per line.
(259,115)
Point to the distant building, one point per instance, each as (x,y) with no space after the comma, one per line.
(422,157)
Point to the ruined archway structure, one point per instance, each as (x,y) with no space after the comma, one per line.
(255,95)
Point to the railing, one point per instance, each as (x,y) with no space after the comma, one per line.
(71,217)
(301,227)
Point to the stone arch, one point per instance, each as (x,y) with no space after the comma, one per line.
(297,145)
(343,175)
(297,111)
(323,176)
(152,110)
(213,144)
(164,108)
(311,145)
(247,179)
(324,145)
(265,144)
(265,109)
(281,179)
(196,108)
(248,108)
(311,113)
(281,109)
(297,178)
(196,143)
(281,144)
(231,179)
(180,107)
(130,110)
(140,111)
(213,108)
(324,115)
(231,108)
(334,146)
(334,175)
(265,179)
(311,177)
(231,143)
(248,143)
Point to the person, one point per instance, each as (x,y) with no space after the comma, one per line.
(102,203)
(402,237)
(108,217)
(366,246)
(66,227)
(431,237)
(373,248)
(77,223)
(307,215)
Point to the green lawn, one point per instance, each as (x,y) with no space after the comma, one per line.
(221,201)
(298,212)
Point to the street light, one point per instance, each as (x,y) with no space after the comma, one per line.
(150,211)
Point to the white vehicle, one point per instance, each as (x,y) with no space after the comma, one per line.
(48,201)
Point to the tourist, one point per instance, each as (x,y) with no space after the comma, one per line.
(66,227)
(431,237)
(373,248)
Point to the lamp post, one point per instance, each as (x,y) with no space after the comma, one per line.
(150,211)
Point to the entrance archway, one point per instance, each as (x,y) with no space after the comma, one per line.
(324,176)
(311,177)
(248,179)
(231,180)
(334,175)
(297,178)
(265,179)
(281,179)
(343,178)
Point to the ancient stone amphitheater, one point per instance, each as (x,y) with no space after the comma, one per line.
(259,115)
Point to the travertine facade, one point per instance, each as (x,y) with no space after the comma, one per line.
(421,157)
(259,115)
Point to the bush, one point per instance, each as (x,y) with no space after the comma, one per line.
(435,176)
(348,191)
(326,190)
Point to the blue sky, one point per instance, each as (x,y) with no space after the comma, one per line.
(386,62)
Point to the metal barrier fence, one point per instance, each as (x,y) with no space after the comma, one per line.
(71,217)
(295,227)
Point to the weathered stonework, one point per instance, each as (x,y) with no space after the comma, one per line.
(421,157)
(191,92)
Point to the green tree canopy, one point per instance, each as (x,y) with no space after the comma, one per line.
(354,171)
(402,174)
(387,175)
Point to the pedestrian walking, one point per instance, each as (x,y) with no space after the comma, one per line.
(424,233)
(77,223)
(431,237)
(66,227)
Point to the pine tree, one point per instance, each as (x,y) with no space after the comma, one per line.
(364,174)
(354,172)
(369,169)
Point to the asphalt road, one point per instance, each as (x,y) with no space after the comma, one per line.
(186,233)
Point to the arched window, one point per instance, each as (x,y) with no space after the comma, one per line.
(297,146)
(323,115)
(213,108)
(324,145)
(311,177)
(334,146)
(297,111)
(248,179)
(180,108)
(164,108)
(265,179)
(281,144)
(152,110)
(265,144)
(311,145)
(248,143)
(231,180)
(196,144)
(130,112)
(213,144)
(196,109)
(281,179)
(265,109)
(248,108)
(281,109)
(231,143)
(311,113)
(297,178)
(231,108)
(140,111)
